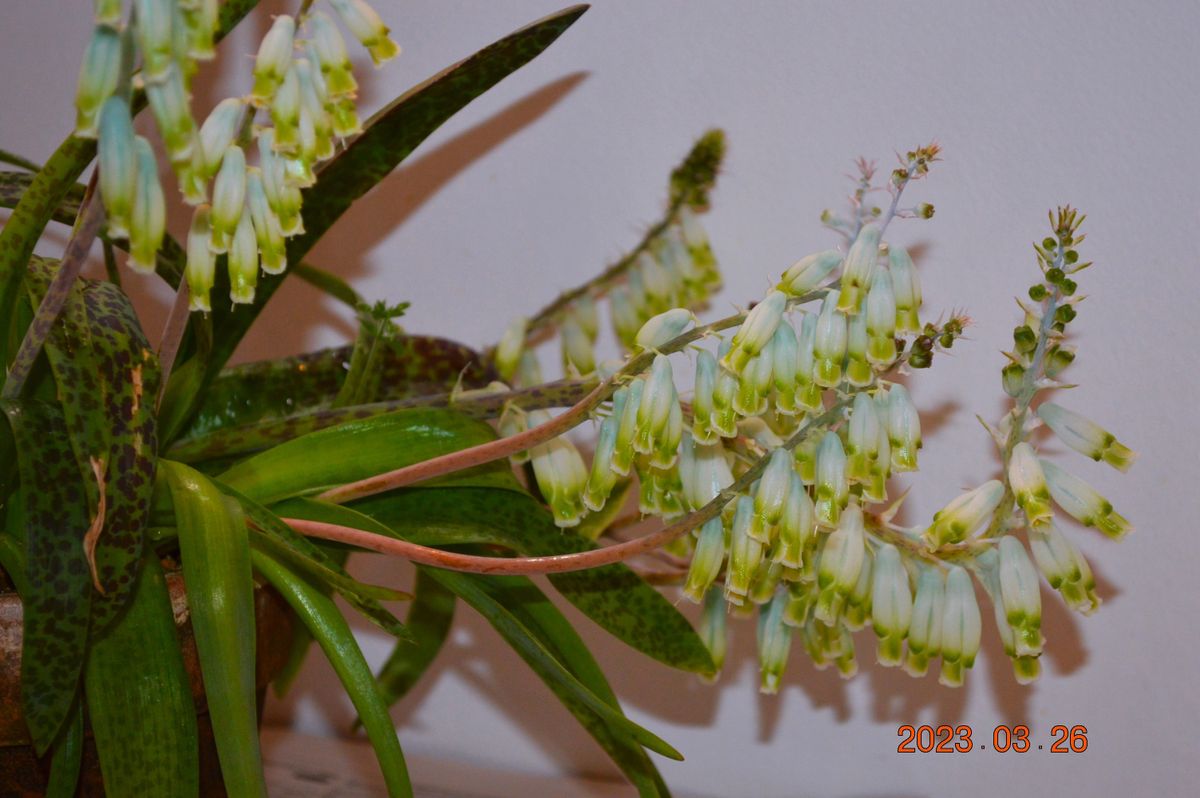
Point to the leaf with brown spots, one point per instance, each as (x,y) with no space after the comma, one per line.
(106,377)
(58,590)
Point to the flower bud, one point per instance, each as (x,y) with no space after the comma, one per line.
(577,355)
(98,77)
(706,560)
(712,627)
(171,105)
(925,626)
(560,473)
(891,604)
(785,357)
(267,233)
(1086,437)
(774,643)
(756,331)
(860,265)
(623,452)
(841,560)
(1029,484)
(862,439)
(961,627)
(155,38)
(744,553)
(797,525)
(1083,503)
(148,221)
(118,165)
(1020,596)
(858,370)
(832,488)
(368,28)
(512,344)
(906,286)
(829,343)
(809,272)
(1065,568)
(904,429)
(201,261)
(961,517)
(274,59)
(664,327)
(702,398)
(229,196)
(881,320)
(243,262)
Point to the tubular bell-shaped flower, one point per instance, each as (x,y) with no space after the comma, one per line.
(925,625)
(840,563)
(961,627)
(201,261)
(831,487)
(663,327)
(1020,596)
(771,496)
(98,77)
(809,272)
(906,286)
(774,643)
(623,451)
(148,222)
(155,37)
(961,517)
(171,105)
(1086,436)
(706,560)
(560,473)
(1064,566)
(860,266)
(881,319)
(1029,484)
(243,261)
(368,28)
(891,604)
(1083,502)
(785,356)
(756,331)
(858,370)
(702,398)
(274,59)
(904,429)
(118,165)
(512,344)
(829,343)
(229,196)
(745,553)
(808,392)
(797,525)
(267,233)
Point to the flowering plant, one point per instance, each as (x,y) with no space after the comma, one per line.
(769,472)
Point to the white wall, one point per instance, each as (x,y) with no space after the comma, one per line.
(538,184)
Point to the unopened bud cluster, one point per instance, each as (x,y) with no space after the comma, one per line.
(305,87)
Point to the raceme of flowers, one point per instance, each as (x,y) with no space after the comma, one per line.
(303,86)
(805,388)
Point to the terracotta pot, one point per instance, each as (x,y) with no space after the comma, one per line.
(23,774)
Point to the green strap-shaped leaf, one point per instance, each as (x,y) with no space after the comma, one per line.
(484,597)
(539,615)
(613,596)
(107,378)
(526,607)
(13,186)
(428,621)
(275,389)
(328,282)
(67,757)
(360,449)
(58,586)
(277,539)
(328,627)
(216,566)
(387,139)
(139,699)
